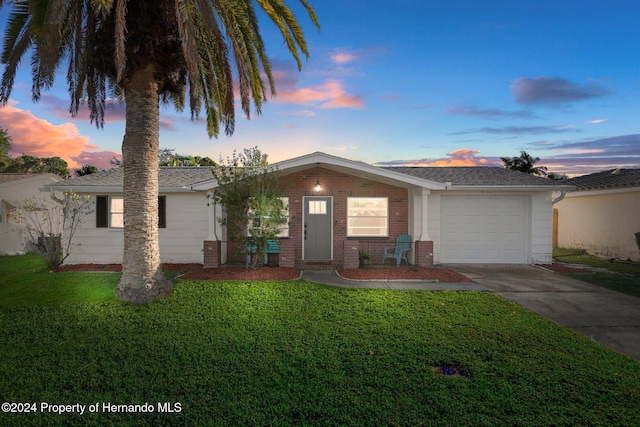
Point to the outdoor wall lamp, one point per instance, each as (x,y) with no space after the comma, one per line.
(317,187)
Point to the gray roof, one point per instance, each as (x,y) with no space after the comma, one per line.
(609,179)
(475,175)
(168,177)
(8,177)
(185,177)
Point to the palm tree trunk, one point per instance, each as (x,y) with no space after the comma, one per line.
(142,279)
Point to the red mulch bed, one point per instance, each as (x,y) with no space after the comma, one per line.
(241,273)
(563,269)
(118,267)
(406,273)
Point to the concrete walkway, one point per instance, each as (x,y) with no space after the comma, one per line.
(608,317)
(331,278)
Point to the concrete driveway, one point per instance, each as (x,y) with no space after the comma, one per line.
(610,318)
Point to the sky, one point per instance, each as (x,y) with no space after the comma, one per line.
(407,82)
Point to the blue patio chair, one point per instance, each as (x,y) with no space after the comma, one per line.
(399,251)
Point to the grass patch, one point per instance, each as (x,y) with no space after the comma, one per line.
(295,353)
(25,280)
(620,277)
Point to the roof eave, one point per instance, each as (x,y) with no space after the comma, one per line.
(98,189)
(504,188)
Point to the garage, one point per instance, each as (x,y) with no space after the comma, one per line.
(484,229)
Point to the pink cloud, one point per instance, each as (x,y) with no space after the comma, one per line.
(40,138)
(99,159)
(330,94)
(342,57)
(459,157)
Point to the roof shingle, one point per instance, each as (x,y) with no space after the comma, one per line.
(177,177)
(610,179)
(474,175)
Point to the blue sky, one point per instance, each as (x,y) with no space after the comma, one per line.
(411,82)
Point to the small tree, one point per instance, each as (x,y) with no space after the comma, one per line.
(85,170)
(51,226)
(251,194)
(524,163)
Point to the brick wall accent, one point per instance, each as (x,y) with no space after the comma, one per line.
(351,254)
(211,254)
(286,257)
(424,253)
(340,186)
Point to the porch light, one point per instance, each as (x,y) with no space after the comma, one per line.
(317,187)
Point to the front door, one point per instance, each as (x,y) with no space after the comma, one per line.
(318,228)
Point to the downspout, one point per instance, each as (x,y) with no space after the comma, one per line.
(560,197)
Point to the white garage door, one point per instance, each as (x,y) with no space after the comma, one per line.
(484,229)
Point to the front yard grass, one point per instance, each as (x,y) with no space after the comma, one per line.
(621,277)
(295,353)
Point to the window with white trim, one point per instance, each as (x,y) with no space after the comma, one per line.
(110,212)
(284,228)
(367,216)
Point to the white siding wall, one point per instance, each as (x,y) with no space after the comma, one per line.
(13,194)
(541,228)
(180,242)
(603,224)
(435,224)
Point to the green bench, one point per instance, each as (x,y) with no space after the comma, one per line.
(273,247)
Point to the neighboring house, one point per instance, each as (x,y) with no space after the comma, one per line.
(454,214)
(15,188)
(603,215)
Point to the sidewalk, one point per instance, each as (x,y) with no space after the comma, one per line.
(331,278)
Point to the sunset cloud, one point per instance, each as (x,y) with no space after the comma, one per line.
(590,155)
(459,157)
(330,94)
(544,90)
(40,138)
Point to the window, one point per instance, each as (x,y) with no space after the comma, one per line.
(116,212)
(317,207)
(284,228)
(110,212)
(367,216)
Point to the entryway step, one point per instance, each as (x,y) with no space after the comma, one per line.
(317,265)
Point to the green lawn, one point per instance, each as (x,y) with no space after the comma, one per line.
(621,277)
(294,353)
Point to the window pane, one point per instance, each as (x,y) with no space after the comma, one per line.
(284,228)
(116,209)
(367,226)
(367,216)
(317,207)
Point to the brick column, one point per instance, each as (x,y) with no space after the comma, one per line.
(351,254)
(287,256)
(424,253)
(211,254)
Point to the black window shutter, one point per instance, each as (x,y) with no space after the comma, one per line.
(162,211)
(102,211)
